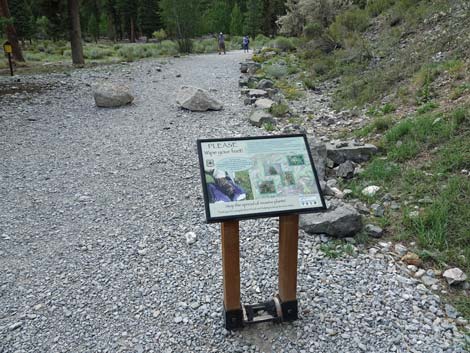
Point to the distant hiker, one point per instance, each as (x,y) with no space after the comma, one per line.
(246,43)
(221,43)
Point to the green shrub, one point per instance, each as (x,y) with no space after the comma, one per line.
(382,123)
(313,30)
(427,107)
(275,71)
(376,7)
(279,109)
(159,35)
(388,108)
(283,43)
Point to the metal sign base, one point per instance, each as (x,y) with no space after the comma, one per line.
(284,306)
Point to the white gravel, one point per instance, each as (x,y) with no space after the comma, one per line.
(94,208)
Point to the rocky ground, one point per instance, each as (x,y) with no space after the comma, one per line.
(96,206)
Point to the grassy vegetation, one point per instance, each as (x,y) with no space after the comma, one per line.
(46,51)
(422,160)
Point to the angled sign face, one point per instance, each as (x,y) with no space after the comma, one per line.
(256,177)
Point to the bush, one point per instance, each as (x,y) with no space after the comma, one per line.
(159,35)
(376,7)
(313,30)
(283,43)
(279,109)
(276,71)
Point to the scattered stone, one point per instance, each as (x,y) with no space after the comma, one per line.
(454,275)
(400,249)
(191,238)
(257,93)
(344,151)
(260,117)
(362,208)
(370,190)
(373,230)
(196,99)
(16,325)
(345,170)
(451,311)
(377,210)
(108,95)
(338,221)
(429,281)
(412,259)
(264,103)
(264,84)
(420,273)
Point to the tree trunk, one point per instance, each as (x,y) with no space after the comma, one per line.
(132,36)
(11,31)
(75,33)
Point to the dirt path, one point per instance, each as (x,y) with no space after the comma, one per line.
(94,208)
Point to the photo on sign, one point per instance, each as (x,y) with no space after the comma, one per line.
(256,176)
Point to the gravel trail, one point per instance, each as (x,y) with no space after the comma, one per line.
(94,208)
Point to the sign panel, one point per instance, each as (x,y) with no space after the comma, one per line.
(7,48)
(256,177)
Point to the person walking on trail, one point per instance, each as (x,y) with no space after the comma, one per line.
(246,43)
(221,43)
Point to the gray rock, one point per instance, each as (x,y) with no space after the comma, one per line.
(190,237)
(451,311)
(110,95)
(377,210)
(400,249)
(454,275)
(196,99)
(370,190)
(264,103)
(260,117)
(340,221)
(347,151)
(257,93)
(345,170)
(429,281)
(373,230)
(264,84)
(318,152)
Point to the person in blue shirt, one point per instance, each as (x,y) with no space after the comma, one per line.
(246,43)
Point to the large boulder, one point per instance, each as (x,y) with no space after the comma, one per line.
(352,151)
(197,100)
(318,152)
(109,95)
(340,220)
(260,117)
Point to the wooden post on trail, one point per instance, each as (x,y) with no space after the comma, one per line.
(231,272)
(288,247)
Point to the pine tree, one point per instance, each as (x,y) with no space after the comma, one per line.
(94,27)
(128,10)
(253,17)
(216,17)
(236,23)
(10,30)
(181,20)
(22,18)
(148,18)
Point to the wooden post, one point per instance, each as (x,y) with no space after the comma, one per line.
(288,246)
(231,272)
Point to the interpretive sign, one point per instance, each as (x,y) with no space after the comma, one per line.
(258,177)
